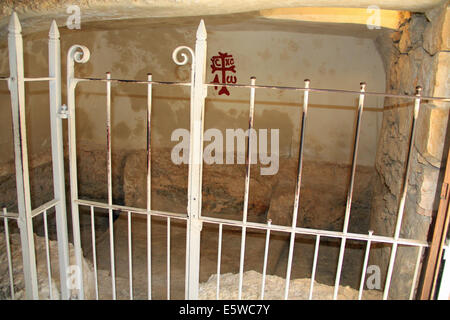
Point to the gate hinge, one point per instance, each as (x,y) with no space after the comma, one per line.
(63,112)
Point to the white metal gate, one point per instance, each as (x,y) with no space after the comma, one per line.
(194,218)
(16,84)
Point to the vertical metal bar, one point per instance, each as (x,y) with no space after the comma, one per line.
(219,257)
(94,253)
(108,137)
(364,269)
(54,59)
(112,256)
(198,94)
(168,258)
(416,273)
(241,262)
(187,272)
(297,187)
(109,173)
(249,151)
(47,252)
(403,196)
(75,55)
(16,85)
(130,257)
(8,254)
(350,190)
(248,161)
(289,266)
(266,254)
(314,267)
(149,258)
(149,187)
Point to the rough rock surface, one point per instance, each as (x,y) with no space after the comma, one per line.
(323,193)
(38,13)
(91,173)
(223,186)
(274,288)
(412,58)
(44,293)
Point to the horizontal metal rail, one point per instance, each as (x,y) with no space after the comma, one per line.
(169,83)
(249,86)
(261,226)
(31,79)
(46,206)
(9,215)
(353,92)
(38,79)
(158,213)
(322,233)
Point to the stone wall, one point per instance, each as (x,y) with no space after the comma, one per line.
(417,54)
(92,177)
(323,192)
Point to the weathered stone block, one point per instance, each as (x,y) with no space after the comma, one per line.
(322,199)
(431,133)
(434,34)
(41,265)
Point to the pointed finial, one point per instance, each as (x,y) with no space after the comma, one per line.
(201,31)
(14,24)
(54,31)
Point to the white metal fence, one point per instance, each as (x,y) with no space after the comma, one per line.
(193,219)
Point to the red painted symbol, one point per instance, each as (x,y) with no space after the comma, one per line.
(223,63)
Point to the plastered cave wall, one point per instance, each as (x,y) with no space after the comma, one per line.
(272,56)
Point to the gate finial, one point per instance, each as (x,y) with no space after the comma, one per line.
(201,31)
(14,24)
(54,31)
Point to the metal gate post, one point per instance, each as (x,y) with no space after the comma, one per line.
(79,54)
(16,86)
(198,95)
(54,59)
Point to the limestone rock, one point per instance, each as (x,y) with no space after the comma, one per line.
(431,133)
(404,44)
(282,204)
(416,62)
(270,197)
(223,186)
(433,34)
(41,265)
(298,288)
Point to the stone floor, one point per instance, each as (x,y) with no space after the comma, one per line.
(231,241)
(277,259)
